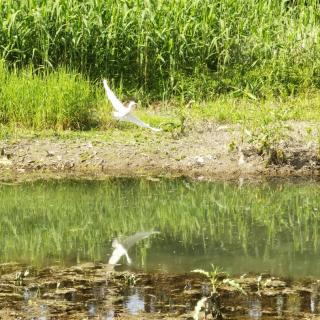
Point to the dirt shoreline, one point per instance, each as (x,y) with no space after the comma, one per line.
(206,151)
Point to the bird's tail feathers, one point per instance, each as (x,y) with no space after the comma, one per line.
(156,129)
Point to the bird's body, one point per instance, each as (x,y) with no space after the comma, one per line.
(120,115)
(122,245)
(118,253)
(123,113)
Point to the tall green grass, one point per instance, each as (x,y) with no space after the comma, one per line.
(55,100)
(63,99)
(190,48)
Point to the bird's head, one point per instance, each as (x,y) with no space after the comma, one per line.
(131,105)
(115,243)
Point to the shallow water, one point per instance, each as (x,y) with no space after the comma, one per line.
(91,291)
(238,227)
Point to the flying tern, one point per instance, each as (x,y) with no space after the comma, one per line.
(123,113)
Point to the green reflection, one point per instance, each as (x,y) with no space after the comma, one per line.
(256,226)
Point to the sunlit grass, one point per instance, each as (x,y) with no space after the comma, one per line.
(57,100)
(195,49)
(226,109)
(62,100)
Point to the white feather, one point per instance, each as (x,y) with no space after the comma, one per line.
(131,118)
(117,105)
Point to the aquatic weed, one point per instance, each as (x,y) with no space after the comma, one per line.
(211,303)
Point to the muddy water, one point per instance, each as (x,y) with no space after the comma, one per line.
(94,291)
(56,238)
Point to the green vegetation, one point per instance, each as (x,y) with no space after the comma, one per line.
(228,60)
(66,100)
(195,49)
(57,100)
(211,303)
(75,221)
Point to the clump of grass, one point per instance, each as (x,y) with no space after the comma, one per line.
(267,134)
(56,100)
(193,48)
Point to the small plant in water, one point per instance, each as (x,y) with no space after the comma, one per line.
(130,279)
(20,275)
(211,303)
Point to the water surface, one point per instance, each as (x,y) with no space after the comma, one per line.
(268,227)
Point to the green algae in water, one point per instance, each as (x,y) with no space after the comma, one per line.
(271,227)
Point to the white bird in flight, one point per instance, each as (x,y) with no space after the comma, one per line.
(122,245)
(123,113)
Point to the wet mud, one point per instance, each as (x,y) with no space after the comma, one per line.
(97,291)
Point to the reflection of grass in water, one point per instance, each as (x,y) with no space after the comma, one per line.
(71,220)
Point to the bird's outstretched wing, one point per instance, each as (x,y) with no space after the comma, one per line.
(116,103)
(131,118)
(128,242)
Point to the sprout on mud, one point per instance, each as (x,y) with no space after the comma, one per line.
(211,303)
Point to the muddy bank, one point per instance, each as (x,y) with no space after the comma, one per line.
(206,150)
(97,291)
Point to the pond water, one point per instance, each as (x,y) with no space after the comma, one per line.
(237,227)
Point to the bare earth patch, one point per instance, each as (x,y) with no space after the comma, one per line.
(205,151)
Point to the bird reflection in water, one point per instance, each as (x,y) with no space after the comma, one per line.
(121,246)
